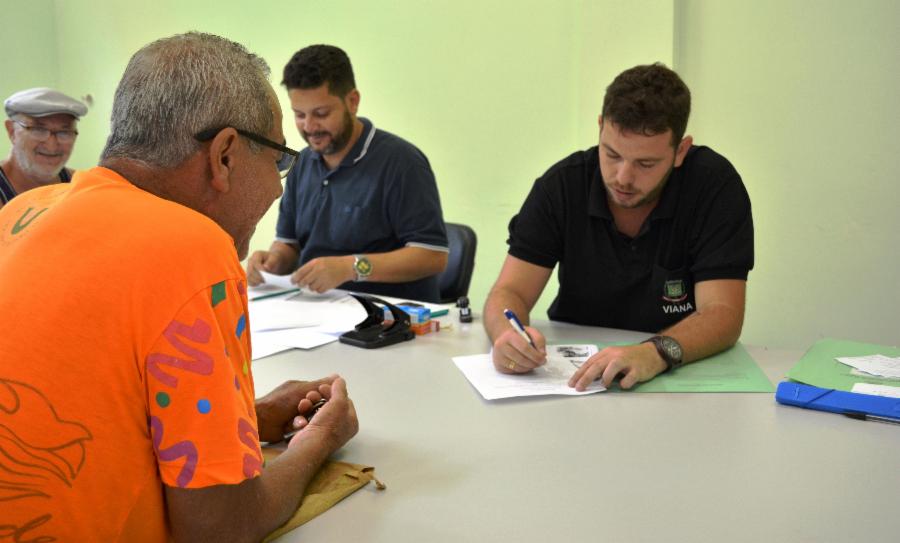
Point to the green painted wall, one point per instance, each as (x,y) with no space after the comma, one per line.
(29,51)
(803,97)
(493,92)
(800,95)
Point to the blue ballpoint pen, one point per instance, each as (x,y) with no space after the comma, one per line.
(518,326)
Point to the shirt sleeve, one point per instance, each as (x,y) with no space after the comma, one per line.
(414,207)
(535,233)
(722,246)
(286,227)
(200,392)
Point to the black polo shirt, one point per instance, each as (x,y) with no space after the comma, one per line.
(701,229)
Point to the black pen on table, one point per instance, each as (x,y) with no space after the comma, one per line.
(875,418)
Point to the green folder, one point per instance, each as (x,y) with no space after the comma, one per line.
(733,370)
(818,366)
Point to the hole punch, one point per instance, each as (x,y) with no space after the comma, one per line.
(372,332)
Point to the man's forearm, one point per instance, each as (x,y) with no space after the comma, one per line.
(708,331)
(499,299)
(284,480)
(406,264)
(252,509)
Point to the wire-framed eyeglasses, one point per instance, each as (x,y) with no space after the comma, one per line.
(284,162)
(40,133)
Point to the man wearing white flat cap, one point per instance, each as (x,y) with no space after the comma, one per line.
(42,129)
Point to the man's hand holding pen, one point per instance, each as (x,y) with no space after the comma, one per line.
(519,349)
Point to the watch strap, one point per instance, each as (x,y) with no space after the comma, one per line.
(672,362)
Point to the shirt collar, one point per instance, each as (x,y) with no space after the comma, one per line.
(359,149)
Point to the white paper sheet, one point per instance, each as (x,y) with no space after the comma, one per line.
(278,314)
(876,390)
(273,285)
(551,378)
(263,348)
(300,338)
(876,364)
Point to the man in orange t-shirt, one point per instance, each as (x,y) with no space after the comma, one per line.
(127,407)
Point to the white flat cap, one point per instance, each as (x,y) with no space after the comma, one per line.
(41,102)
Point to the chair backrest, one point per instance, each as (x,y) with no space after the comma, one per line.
(454,280)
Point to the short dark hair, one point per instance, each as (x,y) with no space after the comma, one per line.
(649,100)
(315,65)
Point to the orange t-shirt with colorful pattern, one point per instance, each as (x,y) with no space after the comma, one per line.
(124,361)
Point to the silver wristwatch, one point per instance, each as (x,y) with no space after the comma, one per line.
(362,267)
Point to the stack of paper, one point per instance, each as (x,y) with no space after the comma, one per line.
(284,317)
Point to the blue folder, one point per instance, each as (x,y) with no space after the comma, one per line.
(837,401)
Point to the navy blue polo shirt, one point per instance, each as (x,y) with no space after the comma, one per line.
(701,229)
(381,197)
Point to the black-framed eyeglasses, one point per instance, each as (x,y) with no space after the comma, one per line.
(284,162)
(40,133)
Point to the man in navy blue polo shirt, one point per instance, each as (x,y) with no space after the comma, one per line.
(650,232)
(361,209)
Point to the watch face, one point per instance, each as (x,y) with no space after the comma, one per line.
(672,348)
(363,266)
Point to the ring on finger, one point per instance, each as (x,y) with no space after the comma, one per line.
(511,365)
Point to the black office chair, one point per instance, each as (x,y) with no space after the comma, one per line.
(454,281)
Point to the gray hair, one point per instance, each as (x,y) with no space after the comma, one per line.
(179,86)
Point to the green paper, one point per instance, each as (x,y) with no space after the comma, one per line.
(729,371)
(818,366)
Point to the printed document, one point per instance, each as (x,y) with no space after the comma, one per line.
(876,364)
(551,378)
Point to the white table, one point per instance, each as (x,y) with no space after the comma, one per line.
(604,467)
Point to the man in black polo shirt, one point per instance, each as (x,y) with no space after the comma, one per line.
(361,209)
(650,232)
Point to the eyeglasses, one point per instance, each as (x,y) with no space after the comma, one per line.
(39,133)
(284,162)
